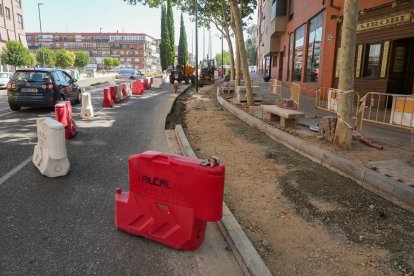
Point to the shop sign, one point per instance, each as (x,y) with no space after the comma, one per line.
(385,22)
(384,59)
(359,60)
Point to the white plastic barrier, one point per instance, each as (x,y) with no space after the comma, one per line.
(87,108)
(128,89)
(156,82)
(119,92)
(50,155)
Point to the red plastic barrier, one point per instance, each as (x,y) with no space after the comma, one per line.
(107,101)
(124,91)
(63,111)
(171,198)
(114,93)
(139,87)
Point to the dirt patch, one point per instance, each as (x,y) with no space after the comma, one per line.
(302,218)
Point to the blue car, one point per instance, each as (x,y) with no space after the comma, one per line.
(41,87)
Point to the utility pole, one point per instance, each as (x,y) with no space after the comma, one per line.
(222,57)
(41,34)
(196,44)
(343,131)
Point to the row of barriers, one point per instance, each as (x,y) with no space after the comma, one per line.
(393,110)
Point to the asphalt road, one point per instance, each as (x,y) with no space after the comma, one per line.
(66,225)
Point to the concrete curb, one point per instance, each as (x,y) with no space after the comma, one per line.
(246,255)
(394,191)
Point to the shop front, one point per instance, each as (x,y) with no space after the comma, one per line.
(384,59)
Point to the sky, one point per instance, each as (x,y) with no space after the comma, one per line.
(111,16)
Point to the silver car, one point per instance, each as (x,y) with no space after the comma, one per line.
(4,79)
(130,74)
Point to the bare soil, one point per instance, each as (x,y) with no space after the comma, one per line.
(302,218)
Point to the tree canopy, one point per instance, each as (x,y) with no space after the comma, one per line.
(182,45)
(50,57)
(81,59)
(64,58)
(15,54)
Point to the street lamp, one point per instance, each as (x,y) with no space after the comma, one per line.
(100,52)
(41,34)
(196,43)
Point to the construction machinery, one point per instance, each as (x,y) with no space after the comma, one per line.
(207,69)
(182,73)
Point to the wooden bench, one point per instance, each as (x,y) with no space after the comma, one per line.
(286,117)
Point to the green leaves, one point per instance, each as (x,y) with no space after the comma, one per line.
(182,45)
(50,57)
(64,58)
(16,54)
(81,59)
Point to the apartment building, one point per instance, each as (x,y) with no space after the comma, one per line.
(11,23)
(134,50)
(299,41)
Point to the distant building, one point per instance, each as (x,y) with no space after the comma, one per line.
(11,23)
(134,50)
(299,41)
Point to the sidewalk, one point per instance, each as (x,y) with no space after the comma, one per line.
(387,172)
(396,141)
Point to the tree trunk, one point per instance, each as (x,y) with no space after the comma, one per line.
(226,29)
(343,133)
(412,147)
(228,38)
(237,69)
(242,50)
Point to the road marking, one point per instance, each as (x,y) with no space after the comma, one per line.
(7,113)
(15,170)
(5,108)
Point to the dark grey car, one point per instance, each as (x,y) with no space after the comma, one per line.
(41,87)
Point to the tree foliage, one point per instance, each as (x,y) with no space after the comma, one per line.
(251,47)
(15,54)
(226,58)
(116,62)
(182,45)
(108,62)
(30,59)
(81,59)
(171,34)
(50,57)
(164,39)
(64,58)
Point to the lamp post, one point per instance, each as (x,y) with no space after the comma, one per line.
(100,52)
(222,58)
(41,34)
(196,43)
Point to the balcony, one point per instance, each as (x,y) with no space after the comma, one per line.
(278,17)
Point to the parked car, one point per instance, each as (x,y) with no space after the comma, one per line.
(4,79)
(129,74)
(41,87)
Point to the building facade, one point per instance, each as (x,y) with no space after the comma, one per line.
(134,50)
(297,44)
(11,23)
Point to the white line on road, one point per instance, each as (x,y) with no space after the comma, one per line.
(15,170)
(7,113)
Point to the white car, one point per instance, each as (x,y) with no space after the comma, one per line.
(4,79)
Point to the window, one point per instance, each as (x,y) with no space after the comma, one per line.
(314,49)
(19,3)
(7,11)
(291,7)
(298,57)
(20,21)
(290,57)
(372,60)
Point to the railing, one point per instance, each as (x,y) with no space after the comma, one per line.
(295,94)
(326,99)
(275,87)
(388,109)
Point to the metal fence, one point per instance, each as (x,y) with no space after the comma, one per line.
(327,99)
(388,109)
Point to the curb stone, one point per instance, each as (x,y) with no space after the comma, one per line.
(246,255)
(392,190)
